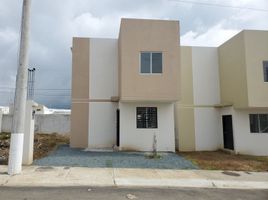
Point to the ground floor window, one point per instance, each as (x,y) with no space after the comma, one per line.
(258,123)
(146,117)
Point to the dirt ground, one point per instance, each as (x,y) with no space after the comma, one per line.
(43,145)
(216,160)
(221,160)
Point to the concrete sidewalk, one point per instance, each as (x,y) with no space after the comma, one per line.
(35,176)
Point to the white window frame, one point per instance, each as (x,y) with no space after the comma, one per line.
(151,62)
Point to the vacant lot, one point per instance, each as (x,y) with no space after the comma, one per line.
(43,145)
(221,160)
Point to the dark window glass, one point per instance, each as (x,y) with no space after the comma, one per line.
(145,62)
(254,124)
(258,123)
(156,62)
(265,70)
(263,123)
(146,117)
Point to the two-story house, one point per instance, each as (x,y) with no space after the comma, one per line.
(124,90)
(144,90)
(224,96)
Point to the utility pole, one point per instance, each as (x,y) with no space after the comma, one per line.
(17,135)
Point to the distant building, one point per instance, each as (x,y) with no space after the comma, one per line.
(42,109)
(4,109)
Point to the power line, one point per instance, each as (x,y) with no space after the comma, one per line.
(220,5)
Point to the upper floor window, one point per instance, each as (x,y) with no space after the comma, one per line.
(258,123)
(151,62)
(265,70)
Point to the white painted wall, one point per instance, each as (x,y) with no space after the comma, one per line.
(6,123)
(132,138)
(103,85)
(206,92)
(52,123)
(207,129)
(246,142)
(102,125)
(1,116)
(103,68)
(206,82)
(44,123)
(28,142)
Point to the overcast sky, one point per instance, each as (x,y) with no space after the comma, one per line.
(55,22)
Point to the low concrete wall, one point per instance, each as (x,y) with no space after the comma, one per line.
(6,123)
(49,123)
(1,115)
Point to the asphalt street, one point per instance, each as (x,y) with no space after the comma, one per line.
(113,193)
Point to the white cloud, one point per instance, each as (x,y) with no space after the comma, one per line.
(54,23)
(214,36)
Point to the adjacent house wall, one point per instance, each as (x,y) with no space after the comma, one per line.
(246,142)
(184,110)
(132,138)
(102,125)
(149,35)
(197,119)
(206,93)
(233,74)
(103,68)
(256,51)
(80,93)
(103,86)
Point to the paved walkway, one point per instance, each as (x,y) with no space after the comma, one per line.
(36,176)
(65,156)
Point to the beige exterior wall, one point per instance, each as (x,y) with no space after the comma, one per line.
(184,110)
(149,35)
(256,51)
(233,79)
(80,93)
(241,70)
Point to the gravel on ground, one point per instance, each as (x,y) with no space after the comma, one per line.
(66,156)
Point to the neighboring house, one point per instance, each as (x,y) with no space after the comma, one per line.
(144,85)
(42,109)
(224,100)
(4,109)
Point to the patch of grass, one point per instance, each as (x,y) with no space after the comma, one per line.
(5,136)
(221,160)
(153,156)
(109,163)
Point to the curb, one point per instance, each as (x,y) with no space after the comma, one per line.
(193,183)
